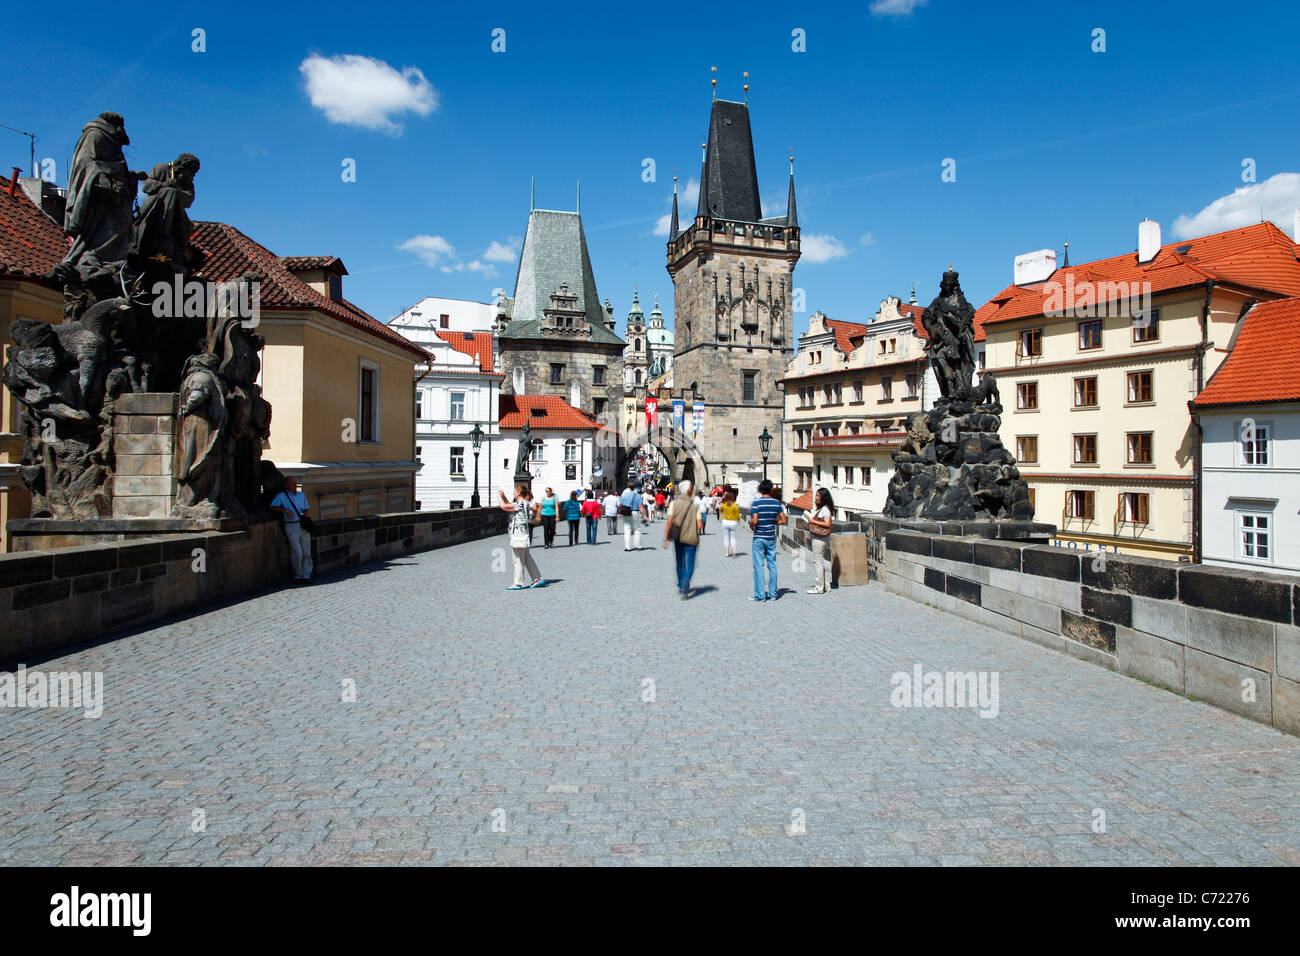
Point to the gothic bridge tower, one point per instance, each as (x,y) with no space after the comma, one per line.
(733,279)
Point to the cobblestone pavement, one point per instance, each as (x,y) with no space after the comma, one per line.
(513,727)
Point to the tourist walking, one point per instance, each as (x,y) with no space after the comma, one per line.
(630,515)
(766,514)
(293,507)
(591,514)
(703,505)
(550,506)
(729,511)
(683,530)
(661,501)
(522,514)
(819,529)
(573,514)
(610,505)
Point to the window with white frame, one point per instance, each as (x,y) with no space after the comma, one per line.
(419,403)
(457,413)
(570,449)
(1253,443)
(457,467)
(535,454)
(1255,535)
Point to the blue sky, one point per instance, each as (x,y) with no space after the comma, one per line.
(1051,139)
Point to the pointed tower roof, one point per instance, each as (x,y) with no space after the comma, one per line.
(634,314)
(791,217)
(729,180)
(554,253)
(672,226)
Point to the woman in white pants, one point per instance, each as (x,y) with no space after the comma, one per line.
(819,528)
(522,511)
(730,514)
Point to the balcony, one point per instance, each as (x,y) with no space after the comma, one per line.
(865,440)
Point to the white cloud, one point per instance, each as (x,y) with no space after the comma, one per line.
(867,239)
(438,253)
(1278,196)
(432,249)
(362,91)
(503,251)
(821,248)
(688,197)
(896,8)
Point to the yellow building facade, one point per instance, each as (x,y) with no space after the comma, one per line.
(1095,366)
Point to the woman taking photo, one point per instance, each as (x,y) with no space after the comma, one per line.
(549,507)
(522,512)
(819,528)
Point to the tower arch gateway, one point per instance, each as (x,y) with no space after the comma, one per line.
(684,457)
(733,295)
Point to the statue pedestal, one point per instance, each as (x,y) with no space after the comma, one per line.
(49,534)
(144,444)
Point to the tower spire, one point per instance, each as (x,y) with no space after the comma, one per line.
(672,227)
(714,81)
(1066,264)
(791,215)
(703,208)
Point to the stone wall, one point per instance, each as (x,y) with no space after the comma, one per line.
(1224,636)
(579,358)
(57,598)
(144,438)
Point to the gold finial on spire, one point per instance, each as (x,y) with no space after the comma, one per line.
(715,81)
(950,267)
(746,75)
(704,151)
(791,160)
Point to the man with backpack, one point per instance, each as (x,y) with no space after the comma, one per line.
(629,514)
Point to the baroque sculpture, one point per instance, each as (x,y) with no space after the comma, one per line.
(122,334)
(952,466)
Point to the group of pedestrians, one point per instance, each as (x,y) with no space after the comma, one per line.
(686,516)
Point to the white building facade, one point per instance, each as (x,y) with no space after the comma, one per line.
(563,453)
(457,391)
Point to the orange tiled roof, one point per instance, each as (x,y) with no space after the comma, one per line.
(803,502)
(845,333)
(477,345)
(230,254)
(298,263)
(1264,363)
(542,412)
(1259,257)
(31,243)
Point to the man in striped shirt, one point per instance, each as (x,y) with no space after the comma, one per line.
(766,514)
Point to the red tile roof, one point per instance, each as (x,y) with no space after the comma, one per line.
(845,333)
(1264,362)
(477,345)
(542,412)
(31,243)
(1258,257)
(230,254)
(803,502)
(303,263)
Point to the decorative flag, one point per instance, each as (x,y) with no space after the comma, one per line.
(697,418)
(679,414)
(651,413)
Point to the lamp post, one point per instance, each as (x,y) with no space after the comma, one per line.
(476,439)
(765,446)
(724,476)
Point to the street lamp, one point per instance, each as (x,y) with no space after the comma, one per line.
(765,446)
(476,439)
(724,476)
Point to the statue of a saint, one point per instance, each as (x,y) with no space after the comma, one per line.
(524,454)
(950,323)
(200,457)
(101,192)
(162,227)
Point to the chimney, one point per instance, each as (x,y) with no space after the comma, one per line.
(1148,240)
(13,183)
(1034,267)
